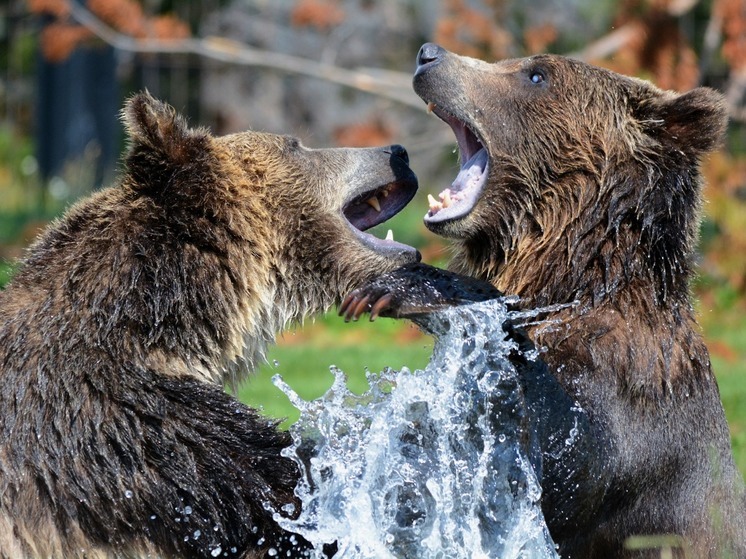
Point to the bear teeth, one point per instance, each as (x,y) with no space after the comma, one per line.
(447,199)
(445,196)
(435,206)
(390,235)
(431,106)
(374,203)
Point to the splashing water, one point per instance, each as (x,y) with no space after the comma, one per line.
(425,464)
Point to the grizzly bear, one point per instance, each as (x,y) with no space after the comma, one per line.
(579,192)
(129,314)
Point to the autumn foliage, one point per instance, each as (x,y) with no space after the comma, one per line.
(656,46)
(473,31)
(59,40)
(733,15)
(368,132)
(63,35)
(321,14)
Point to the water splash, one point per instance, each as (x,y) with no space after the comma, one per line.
(425,464)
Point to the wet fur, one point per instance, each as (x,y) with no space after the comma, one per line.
(127,317)
(594,201)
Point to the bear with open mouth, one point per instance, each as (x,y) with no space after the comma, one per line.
(580,191)
(129,314)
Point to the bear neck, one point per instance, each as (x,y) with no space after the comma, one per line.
(598,241)
(609,276)
(307,279)
(184,293)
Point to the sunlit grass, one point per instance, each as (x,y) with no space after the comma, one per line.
(726,337)
(303,356)
(303,360)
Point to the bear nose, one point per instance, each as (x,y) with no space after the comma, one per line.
(429,53)
(399,151)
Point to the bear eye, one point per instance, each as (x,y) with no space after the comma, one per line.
(537,77)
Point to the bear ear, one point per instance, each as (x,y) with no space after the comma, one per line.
(160,139)
(695,121)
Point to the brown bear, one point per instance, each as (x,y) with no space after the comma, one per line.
(129,314)
(580,192)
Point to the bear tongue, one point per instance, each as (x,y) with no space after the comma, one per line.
(465,187)
(471,172)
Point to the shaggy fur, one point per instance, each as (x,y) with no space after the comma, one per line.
(590,204)
(593,200)
(129,314)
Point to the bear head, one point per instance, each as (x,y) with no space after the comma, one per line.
(209,246)
(591,173)
(311,205)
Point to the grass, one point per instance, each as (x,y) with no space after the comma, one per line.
(303,358)
(6,270)
(725,332)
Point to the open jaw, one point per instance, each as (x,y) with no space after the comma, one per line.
(377,205)
(460,198)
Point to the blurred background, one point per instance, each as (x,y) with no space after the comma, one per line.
(338,72)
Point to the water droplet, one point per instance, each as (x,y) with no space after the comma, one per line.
(419,448)
(197,534)
(217,551)
(271,552)
(187,510)
(128,494)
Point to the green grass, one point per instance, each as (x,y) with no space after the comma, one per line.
(6,270)
(303,359)
(732,383)
(726,337)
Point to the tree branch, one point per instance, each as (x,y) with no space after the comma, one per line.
(392,85)
(383,84)
(608,44)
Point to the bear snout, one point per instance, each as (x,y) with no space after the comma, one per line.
(398,151)
(430,54)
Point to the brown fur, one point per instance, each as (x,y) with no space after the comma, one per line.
(129,314)
(593,201)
